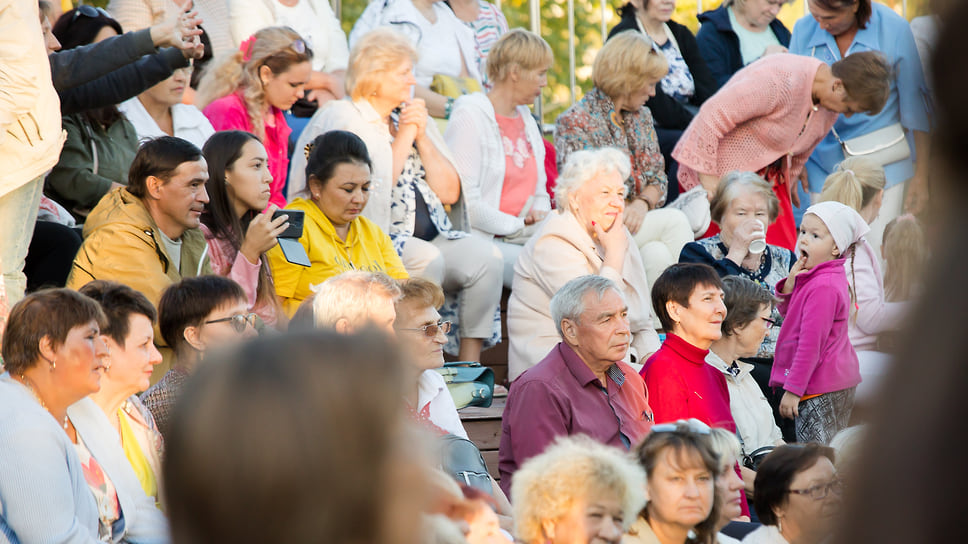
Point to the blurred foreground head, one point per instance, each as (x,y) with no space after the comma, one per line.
(294,438)
(911,477)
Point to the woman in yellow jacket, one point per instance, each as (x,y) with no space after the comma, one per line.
(336,237)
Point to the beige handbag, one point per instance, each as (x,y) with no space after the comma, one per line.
(884,146)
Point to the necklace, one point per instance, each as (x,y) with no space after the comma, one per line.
(29,383)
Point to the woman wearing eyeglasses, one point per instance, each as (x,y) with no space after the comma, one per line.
(749,310)
(336,237)
(797,496)
(681,469)
(196,315)
(250,89)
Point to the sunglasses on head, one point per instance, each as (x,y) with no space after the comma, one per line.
(688,426)
(430,330)
(90,11)
(239,321)
(299,46)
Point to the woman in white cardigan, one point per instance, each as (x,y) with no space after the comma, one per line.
(585,235)
(498,148)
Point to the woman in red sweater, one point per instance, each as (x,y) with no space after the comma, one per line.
(688,300)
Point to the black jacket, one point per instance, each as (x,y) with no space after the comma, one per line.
(110,71)
(668,112)
(719,43)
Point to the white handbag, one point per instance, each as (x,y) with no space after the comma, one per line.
(884,146)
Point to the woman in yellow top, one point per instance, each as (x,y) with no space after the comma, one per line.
(115,412)
(336,237)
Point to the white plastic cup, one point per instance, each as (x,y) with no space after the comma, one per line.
(759,244)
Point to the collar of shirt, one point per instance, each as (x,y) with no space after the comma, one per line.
(686,350)
(582,373)
(735,371)
(867,37)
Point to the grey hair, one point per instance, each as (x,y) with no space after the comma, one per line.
(584,165)
(732,183)
(726,446)
(569,301)
(351,296)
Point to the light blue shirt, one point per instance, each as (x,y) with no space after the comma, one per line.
(43,494)
(890,34)
(752,45)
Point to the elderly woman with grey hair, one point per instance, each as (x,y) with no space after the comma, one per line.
(744,206)
(577,491)
(585,235)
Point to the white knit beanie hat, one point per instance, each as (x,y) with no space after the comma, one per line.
(846,226)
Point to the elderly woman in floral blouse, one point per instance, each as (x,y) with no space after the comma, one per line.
(613,114)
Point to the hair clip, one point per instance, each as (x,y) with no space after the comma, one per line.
(849,171)
(309,149)
(246,48)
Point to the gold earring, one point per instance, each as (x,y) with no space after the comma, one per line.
(53,365)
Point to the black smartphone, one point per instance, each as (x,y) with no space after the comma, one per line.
(296,218)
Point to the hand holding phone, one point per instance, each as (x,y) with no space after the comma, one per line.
(294,252)
(261,234)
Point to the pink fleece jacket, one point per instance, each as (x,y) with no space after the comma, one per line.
(229,113)
(813,351)
(755,119)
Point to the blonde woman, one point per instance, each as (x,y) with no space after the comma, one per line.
(250,89)
(498,147)
(413,181)
(613,114)
(577,491)
(859,183)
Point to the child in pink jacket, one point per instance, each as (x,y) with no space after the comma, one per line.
(815,363)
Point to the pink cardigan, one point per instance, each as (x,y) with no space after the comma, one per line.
(229,113)
(755,119)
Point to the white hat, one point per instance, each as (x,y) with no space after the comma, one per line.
(846,226)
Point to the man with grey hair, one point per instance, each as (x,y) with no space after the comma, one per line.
(352,300)
(582,385)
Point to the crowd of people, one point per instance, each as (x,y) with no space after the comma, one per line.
(237,245)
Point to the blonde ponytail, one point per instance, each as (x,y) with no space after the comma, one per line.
(854,183)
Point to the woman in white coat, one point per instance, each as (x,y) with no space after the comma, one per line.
(498,148)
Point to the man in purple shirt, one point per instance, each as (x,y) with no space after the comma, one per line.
(581,386)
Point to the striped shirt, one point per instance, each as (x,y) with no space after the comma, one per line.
(488,27)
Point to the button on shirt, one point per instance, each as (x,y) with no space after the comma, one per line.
(561,396)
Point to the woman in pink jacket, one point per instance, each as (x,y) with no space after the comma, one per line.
(815,364)
(768,119)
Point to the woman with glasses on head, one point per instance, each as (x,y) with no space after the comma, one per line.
(797,496)
(194,316)
(682,468)
(249,90)
(336,237)
(238,231)
(738,33)
(749,311)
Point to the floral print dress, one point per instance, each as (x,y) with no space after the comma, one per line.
(110,522)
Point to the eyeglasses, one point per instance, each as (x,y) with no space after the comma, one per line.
(691,425)
(239,321)
(430,331)
(299,46)
(90,11)
(820,491)
(769,322)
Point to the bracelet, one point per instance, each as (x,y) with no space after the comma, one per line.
(448,107)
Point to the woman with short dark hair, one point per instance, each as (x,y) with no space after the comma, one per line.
(688,299)
(797,495)
(52,353)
